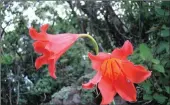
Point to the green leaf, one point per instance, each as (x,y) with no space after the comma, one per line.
(165,33)
(147,97)
(6,59)
(165,3)
(159,89)
(145,52)
(63,60)
(155,61)
(159,68)
(168,103)
(147,87)
(162,46)
(167,88)
(159,98)
(161,12)
(164,27)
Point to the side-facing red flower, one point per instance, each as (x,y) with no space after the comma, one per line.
(50,46)
(116,74)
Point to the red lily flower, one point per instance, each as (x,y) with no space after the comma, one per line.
(115,74)
(50,46)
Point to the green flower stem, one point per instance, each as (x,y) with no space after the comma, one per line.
(93,40)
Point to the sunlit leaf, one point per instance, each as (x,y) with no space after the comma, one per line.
(145,52)
(147,87)
(162,46)
(155,61)
(161,12)
(159,68)
(167,88)
(147,97)
(165,33)
(159,98)
(6,59)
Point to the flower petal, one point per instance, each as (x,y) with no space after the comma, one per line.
(135,73)
(40,61)
(61,42)
(51,68)
(93,81)
(39,46)
(97,60)
(44,27)
(107,90)
(124,52)
(35,35)
(125,88)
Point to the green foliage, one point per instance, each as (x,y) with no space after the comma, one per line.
(167,88)
(158,68)
(145,24)
(147,97)
(160,98)
(147,87)
(145,52)
(155,61)
(6,59)
(162,46)
(165,33)
(87,96)
(44,85)
(161,12)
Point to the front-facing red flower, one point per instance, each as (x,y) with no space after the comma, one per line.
(50,46)
(116,74)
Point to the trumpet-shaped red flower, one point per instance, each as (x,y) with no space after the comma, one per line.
(50,46)
(115,74)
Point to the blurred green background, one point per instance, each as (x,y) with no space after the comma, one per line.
(145,23)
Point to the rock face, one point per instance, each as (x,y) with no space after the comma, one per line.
(66,96)
(73,99)
(120,101)
(72,95)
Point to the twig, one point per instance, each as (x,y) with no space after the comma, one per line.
(18,89)
(10,101)
(44,97)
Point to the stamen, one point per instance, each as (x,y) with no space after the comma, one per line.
(110,68)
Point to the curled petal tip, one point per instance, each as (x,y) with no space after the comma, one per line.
(44,27)
(32,33)
(40,61)
(149,73)
(87,85)
(129,45)
(37,68)
(46,24)
(127,41)
(90,55)
(53,76)
(135,100)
